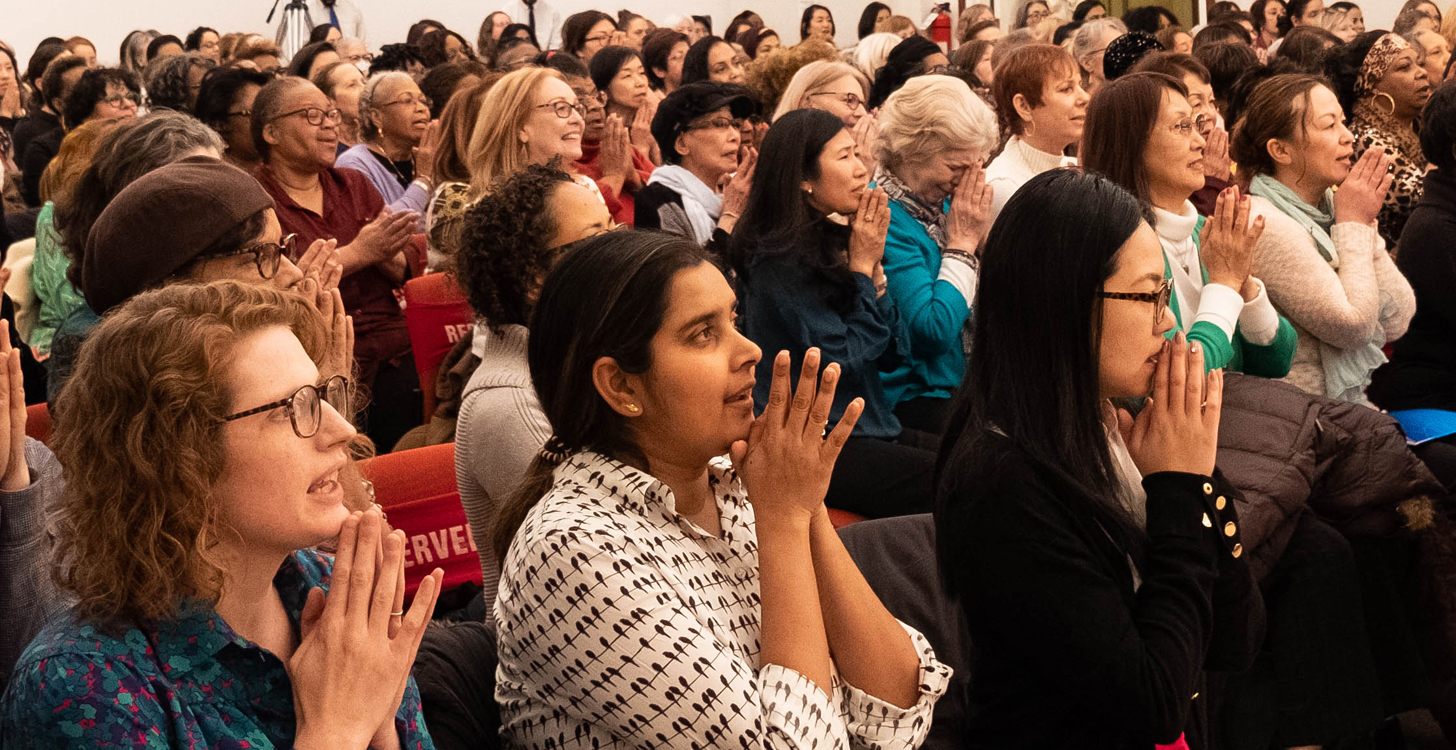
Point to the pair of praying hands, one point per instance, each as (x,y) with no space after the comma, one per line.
(322,270)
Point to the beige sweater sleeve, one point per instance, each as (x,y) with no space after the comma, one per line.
(1339,307)
(1397,298)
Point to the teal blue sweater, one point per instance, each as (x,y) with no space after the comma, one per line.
(932,313)
(1269,361)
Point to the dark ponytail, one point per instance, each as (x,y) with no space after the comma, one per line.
(605,298)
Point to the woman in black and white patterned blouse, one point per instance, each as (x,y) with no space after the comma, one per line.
(644,602)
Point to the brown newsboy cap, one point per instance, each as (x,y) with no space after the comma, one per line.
(162,222)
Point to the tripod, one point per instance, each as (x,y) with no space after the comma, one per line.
(294,28)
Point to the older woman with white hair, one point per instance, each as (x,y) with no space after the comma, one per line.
(872,52)
(839,89)
(398,149)
(1088,46)
(934,136)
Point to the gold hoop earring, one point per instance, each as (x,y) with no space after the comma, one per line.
(1389,98)
(1030,129)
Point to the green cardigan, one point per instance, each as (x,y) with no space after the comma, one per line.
(1269,361)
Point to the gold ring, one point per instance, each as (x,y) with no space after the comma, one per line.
(397,614)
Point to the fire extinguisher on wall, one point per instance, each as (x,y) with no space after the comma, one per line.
(937,26)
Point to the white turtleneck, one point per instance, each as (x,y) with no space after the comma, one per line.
(1215,303)
(1016,164)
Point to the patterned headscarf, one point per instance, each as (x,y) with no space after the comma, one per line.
(1125,51)
(1377,62)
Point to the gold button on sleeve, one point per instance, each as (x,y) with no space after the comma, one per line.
(1238,550)
(1229,529)
(1220,502)
(1207,488)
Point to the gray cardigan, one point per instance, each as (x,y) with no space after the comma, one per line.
(29,595)
(500,430)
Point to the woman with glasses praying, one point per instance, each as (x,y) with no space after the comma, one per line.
(841,90)
(1142,134)
(1217,166)
(398,152)
(1040,100)
(1097,558)
(204,615)
(295,130)
(697,131)
(1321,255)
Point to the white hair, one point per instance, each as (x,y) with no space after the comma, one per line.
(1089,35)
(872,52)
(813,77)
(930,114)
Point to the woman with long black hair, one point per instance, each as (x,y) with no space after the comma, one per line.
(1096,556)
(807,281)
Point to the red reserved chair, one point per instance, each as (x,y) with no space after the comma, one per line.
(38,422)
(438,315)
(417,490)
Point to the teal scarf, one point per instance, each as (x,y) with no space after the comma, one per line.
(1347,371)
(1315,220)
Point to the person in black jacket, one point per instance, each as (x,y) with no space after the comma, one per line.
(806,281)
(1422,370)
(1096,557)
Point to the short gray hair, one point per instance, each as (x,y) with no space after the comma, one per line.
(167,80)
(367,104)
(1084,42)
(930,113)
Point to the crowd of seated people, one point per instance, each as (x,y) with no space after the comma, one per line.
(1138,329)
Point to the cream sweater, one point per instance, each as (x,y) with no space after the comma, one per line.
(1014,166)
(1338,307)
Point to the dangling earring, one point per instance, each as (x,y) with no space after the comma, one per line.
(1389,98)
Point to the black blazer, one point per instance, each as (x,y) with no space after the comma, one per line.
(1066,654)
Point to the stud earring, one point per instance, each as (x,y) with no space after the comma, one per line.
(633,408)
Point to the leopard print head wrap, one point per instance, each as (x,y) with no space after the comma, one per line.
(1377,62)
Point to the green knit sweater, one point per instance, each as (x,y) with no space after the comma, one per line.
(1271,360)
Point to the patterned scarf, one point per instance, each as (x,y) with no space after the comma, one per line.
(1377,62)
(930,217)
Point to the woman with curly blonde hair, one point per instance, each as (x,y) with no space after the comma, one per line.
(205,460)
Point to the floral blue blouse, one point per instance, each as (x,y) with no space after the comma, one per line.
(186,684)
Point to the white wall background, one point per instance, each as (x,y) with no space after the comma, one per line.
(23,23)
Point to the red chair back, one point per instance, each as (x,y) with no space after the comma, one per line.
(418,492)
(842,518)
(438,316)
(38,422)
